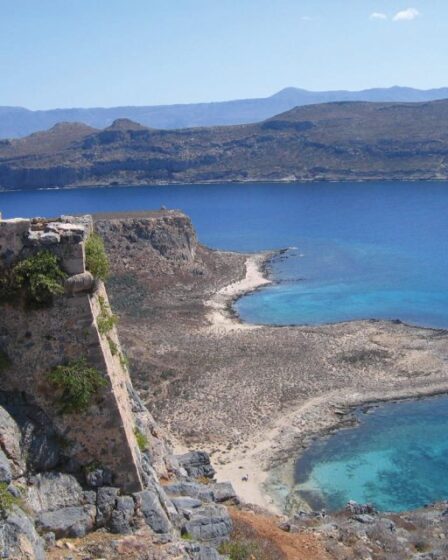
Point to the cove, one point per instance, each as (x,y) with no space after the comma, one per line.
(396,458)
(359,251)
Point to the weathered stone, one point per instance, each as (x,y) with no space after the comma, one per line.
(202,492)
(73,521)
(155,516)
(105,501)
(18,537)
(53,491)
(77,283)
(196,464)
(50,238)
(99,477)
(5,468)
(224,492)
(89,497)
(10,442)
(122,516)
(198,551)
(186,503)
(210,523)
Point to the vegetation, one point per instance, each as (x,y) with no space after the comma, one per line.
(124,361)
(5,362)
(78,383)
(97,261)
(105,320)
(113,346)
(7,500)
(142,440)
(186,536)
(239,550)
(38,277)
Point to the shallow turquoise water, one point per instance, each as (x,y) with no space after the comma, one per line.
(396,458)
(363,250)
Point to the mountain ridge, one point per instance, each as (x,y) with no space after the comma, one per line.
(18,121)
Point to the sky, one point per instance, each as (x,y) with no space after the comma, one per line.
(90,53)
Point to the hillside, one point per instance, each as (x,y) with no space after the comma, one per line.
(336,141)
(17,121)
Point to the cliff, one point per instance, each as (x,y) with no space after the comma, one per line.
(335,141)
(78,449)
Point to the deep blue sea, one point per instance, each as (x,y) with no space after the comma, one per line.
(359,250)
(356,251)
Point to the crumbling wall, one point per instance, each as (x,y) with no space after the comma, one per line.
(36,340)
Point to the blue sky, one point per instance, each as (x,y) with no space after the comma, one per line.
(67,53)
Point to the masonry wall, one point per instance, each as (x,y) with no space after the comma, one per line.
(36,340)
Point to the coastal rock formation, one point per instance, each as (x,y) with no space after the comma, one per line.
(65,472)
(335,141)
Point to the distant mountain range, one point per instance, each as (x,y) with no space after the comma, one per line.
(337,141)
(16,122)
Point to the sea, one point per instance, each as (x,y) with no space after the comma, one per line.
(352,251)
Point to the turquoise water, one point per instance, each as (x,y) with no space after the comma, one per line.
(360,250)
(396,458)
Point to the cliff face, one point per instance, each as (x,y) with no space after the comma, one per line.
(65,472)
(336,141)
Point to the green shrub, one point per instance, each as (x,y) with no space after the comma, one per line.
(97,261)
(40,277)
(78,384)
(238,550)
(186,536)
(113,346)
(7,500)
(106,320)
(124,361)
(5,362)
(142,440)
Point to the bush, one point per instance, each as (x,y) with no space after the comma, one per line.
(40,277)
(78,383)
(238,550)
(142,440)
(7,500)
(106,320)
(97,261)
(112,346)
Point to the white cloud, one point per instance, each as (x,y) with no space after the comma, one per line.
(406,15)
(378,15)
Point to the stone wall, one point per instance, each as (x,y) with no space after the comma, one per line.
(36,340)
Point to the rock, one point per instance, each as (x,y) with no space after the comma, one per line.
(154,514)
(198,551)
(186,503)
(53,491)
(106,500)
(122,516)
(211,524)
(364,518)
(99,477)
(354,507)
(223,492)
(10,442)
(5,468)
(77,283)
(202,492)
(50,238)
(73,521)
(18,537)
(196,464)
(285,526)
(90,497)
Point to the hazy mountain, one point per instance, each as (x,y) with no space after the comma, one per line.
(336,141)
(16,122)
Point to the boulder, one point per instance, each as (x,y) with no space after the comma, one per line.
(196,464)
(211,524)
(155,516)
(10,442)
(197,551)
(101,476)
(53,491)
(18,537)
(75,521)
(83,282)
(185,503)
(224,492)
(202,492)
(122,516)
(5,468)
(105,501)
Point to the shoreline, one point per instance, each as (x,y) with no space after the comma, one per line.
(262,469)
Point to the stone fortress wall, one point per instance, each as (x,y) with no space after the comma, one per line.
(37,340)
